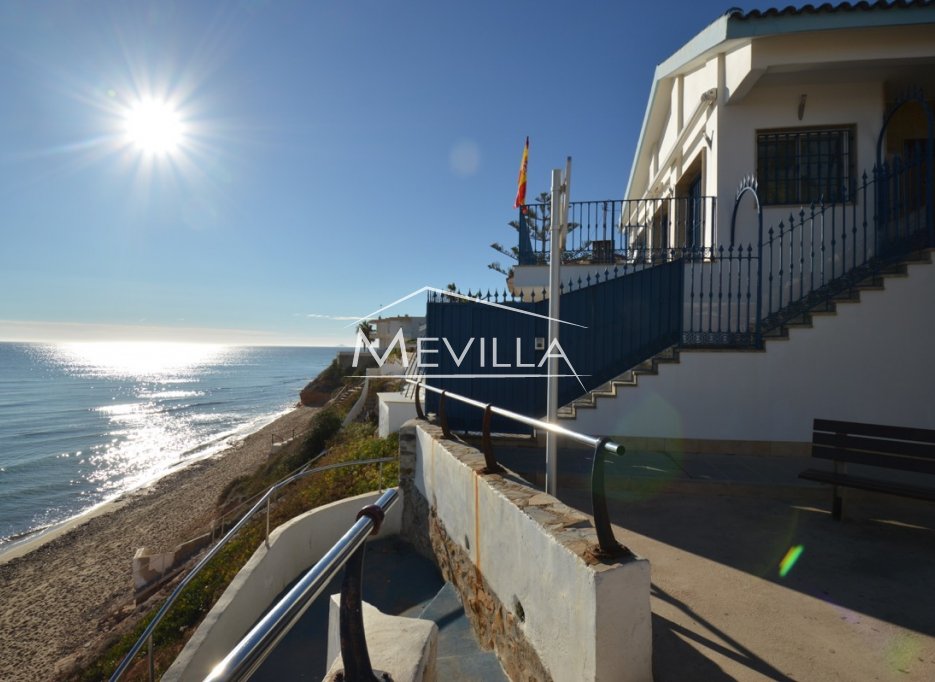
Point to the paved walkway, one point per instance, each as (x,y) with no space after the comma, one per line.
(858,603)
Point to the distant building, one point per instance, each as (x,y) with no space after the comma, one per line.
(386,328)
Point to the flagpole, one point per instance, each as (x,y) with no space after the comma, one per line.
(558,227)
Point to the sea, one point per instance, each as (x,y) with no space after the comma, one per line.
(83,423)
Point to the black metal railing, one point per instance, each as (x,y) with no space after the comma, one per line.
(612,231)
(607,545)
(347,553)
(732,293)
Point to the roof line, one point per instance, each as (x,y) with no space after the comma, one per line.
(737,25)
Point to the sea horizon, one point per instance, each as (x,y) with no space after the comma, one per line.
(83,423)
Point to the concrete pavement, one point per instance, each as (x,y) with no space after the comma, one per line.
(729,603)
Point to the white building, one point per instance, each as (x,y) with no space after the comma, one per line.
(795,97)
(386,328)
(803,313)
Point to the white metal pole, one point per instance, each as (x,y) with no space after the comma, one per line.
(555,261)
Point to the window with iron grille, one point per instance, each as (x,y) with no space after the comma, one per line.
(805,165)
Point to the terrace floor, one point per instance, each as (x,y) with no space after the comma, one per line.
(858,603)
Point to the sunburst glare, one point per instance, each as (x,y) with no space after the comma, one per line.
(154,127)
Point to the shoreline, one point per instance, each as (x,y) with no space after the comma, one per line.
(71,586)
(32,540)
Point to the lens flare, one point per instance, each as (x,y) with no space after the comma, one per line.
(789,560)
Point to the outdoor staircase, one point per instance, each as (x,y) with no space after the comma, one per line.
(776,332)
(398,581)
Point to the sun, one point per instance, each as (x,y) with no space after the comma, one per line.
(154,127)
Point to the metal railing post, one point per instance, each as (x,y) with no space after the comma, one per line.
(608,546)
(354,653)
(267,520)
(419,413)
(443,416)
(487,445)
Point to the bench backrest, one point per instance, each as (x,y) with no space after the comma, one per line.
(893,447)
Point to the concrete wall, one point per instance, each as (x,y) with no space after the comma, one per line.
(295,547)
(523,564)
(870,362)
(395,409)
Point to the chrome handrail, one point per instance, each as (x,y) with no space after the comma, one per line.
(610,446)
(256,645)
(608,547)
(147,636)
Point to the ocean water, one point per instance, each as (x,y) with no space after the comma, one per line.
(82,423)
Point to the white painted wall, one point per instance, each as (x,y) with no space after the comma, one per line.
(871,362)
(769,106)
(842,73)
(585,622)
(395,409)
(295,547)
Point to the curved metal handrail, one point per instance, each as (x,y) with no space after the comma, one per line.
(147,636)
(608,547)
(256,645)
(610,446)
(250,500)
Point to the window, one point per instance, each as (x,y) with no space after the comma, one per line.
(802,166)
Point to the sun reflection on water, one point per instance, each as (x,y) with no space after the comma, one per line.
(152,413)
(140,359)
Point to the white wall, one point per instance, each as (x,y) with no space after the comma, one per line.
(776,106)
(295,547)
(395,409)
(584,622)
(871,362)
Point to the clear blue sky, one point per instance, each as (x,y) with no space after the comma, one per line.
(334,156)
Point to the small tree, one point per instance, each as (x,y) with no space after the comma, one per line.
(538,222)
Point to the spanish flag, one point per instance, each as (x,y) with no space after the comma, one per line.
(521,188)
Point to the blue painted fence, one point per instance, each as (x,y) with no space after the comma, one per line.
(625,316)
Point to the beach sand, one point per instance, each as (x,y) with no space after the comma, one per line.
(74,585)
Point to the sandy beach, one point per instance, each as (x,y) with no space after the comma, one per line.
(74,584)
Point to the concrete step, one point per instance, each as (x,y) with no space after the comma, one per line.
(396,579)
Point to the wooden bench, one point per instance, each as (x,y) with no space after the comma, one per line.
(887,447)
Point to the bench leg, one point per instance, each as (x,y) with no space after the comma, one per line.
(837,503)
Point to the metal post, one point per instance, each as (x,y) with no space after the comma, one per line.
(608,547)
(354,653)
(558,209)
(267,520)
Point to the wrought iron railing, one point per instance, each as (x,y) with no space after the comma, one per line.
(146,638)
(608,547)
(613,231)
(347,553)
(732,293)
